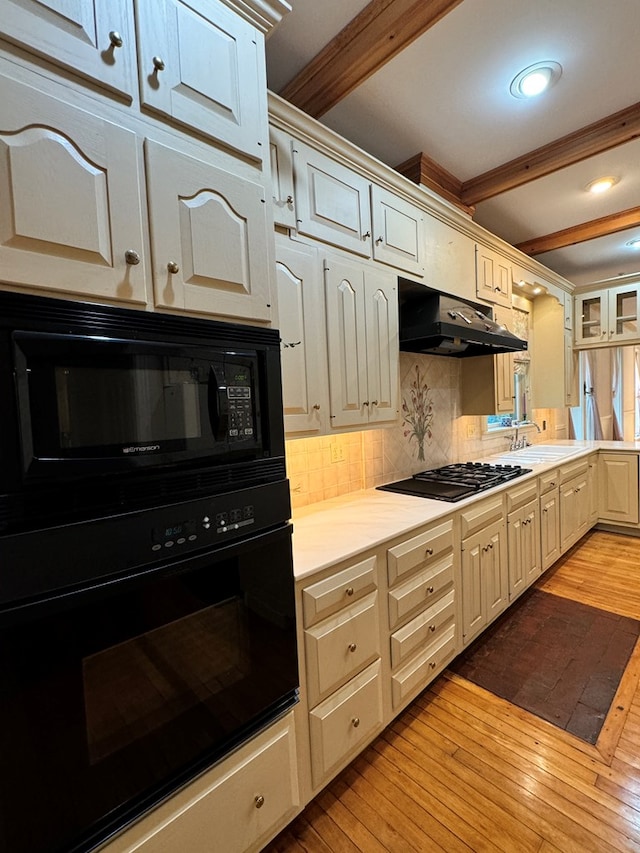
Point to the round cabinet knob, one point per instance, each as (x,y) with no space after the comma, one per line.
(429,552)
(158,63)
(355,722)
(379,240)
(432,628)
(352,647)
(349,590)
(366,403)
(173,267)
(115,38)
(366,235)
(374,402)
(429,590)
(432,664)
(132,257)
(289,199)
(316,406)
(259,801)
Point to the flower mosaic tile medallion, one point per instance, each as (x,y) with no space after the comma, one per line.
(417,412)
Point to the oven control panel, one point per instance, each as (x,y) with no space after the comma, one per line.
(238,516)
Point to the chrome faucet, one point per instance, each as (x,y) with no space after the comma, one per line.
(516,443)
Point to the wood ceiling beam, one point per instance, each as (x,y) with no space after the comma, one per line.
(377,34)
(423,170)
(580,233)
(600,136)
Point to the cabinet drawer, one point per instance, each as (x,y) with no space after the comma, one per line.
(325,597)
(415,676)
(419,590)
(345,721)
(480,515)
(574,469)
(549,481)
(425,548)
(341,646)
(422,630)
(521,495)
(221,804)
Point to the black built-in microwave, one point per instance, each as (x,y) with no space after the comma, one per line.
(107,409)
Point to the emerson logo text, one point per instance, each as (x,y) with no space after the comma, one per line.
(145,448)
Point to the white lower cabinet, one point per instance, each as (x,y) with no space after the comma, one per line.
(523,536)
(421,574)
(485,576)
(549,518)
(618,487)
(574,502)
(236,806)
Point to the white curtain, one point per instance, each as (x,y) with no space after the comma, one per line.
(616,392)
(593,427)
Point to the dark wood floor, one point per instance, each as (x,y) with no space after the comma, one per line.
(462,770)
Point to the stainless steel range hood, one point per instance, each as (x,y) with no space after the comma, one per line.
(439,324)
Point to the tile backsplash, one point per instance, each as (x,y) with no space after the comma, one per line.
(432,433)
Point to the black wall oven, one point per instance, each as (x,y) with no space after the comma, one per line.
(147,621)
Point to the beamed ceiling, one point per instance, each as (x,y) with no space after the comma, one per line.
(424,86)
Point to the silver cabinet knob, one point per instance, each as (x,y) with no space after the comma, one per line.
(379,240)
(173,267)
(366,235)
(316,406)
(355,722)
(132,257)
(158,63)
(259,801)
(352,647)
(115,38)
(289,199)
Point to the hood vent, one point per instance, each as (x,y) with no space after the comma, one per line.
(437,324)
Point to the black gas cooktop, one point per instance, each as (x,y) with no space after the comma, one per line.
(455,482)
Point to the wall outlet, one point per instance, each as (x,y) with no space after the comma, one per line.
(472,430)
(337,452)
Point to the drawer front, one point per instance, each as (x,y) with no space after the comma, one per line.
(419,550)
(419,590)
(549,481)
(423,630)
(520,496)
(222,803)
(480,515)
(415,676)
(341,724)
(575,469)
(341,646)
(325,597)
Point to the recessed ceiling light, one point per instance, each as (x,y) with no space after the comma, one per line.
(634,244)
(535,79)
(601,185)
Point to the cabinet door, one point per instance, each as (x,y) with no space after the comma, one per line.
(208,236)
(332,201)
(198,63)
(618,491)
(571,373)
(549,529)
(473,591)
(93,38)
(495,571)
(381,321)
(302,332)
(531,543)
(346,343)
(623,313)
(398,231)
(449,259)
(515,544)
(504,367)
(70,206)
(493,276)
(281,161)
(593,489)
(591,318)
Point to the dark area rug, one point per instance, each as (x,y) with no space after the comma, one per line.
(554,657)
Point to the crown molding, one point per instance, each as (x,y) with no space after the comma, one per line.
(263,14)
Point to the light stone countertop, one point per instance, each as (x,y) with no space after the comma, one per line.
(328,532)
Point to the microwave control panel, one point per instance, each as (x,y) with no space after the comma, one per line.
(235,413)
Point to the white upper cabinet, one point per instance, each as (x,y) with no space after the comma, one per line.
(332,201)
(94,38)
(494,278)
(302,333)
(282,195)
(208,237)
(449,259)
(70,207)
(362,344)
(198,64)
(608,316)
(398,231)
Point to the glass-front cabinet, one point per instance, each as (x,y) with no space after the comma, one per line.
(608,316)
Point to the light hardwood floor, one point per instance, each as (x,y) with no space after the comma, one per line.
(462,770)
